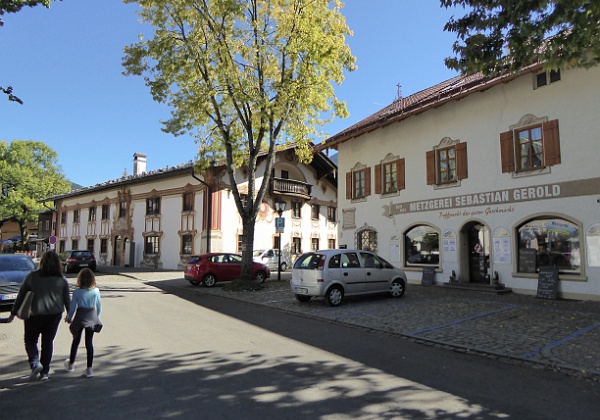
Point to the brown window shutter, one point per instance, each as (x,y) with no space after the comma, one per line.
(367,181)
(400,178)
(430,159)
(551,143)
(507,151)
(349,185)
(462,168)
(378,179)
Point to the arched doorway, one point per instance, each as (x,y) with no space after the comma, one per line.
(476,248)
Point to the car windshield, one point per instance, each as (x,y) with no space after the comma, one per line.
(16,264)
(81,254)
(258,252)
(308,261)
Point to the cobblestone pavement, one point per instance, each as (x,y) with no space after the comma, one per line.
(558,334)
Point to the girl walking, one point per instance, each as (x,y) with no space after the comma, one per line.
(86,305)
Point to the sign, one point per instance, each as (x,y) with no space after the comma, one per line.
(428,276)
(279,224)
(52,240)
(548,283)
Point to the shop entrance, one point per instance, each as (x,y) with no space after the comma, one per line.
(478,249)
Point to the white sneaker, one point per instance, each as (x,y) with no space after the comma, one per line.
(89,373)
(34,372)
(69,366)
(44,377)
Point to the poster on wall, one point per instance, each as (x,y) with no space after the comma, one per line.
(394,249)
(501,246)
(592,241)
(449,246)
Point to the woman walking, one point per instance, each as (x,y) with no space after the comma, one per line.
(86,306)
(51,295)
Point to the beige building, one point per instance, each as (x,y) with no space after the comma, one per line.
(160,218)
(485,181)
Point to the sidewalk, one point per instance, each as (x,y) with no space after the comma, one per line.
(559,334)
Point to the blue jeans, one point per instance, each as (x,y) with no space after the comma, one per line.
(47,326)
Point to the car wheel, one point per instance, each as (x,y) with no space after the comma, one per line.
(334,296)
(283,266)
(194,282)
(303,298)
(209,280)
(397,288)
(260,277)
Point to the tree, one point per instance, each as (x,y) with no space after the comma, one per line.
(244,77)
(561,33)
(28,173)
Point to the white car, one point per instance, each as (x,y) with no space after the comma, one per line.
(270,257)
(335,273)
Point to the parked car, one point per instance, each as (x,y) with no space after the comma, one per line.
(335,273)
(211,268)
(270,257)
(13,269)
(77,259)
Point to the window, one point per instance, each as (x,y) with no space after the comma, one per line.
(105,211)
(296,209)
(331,214)
(188,201)
(104,246)
(76,216)
(151,245)
(122,209)
(367,239)
(62,246)
(187,242)
(153,206)
(389,177)
(358,184)
(547,242)
(530,148)
(422,246)
(546,77)
(296,246)
(276,241)
(90,245)
(47,225)
(331,243)
(92,214)
(75,244)
(285,174)
(63,217)
(240,240)
(315,211)
(447,165)
(314,244)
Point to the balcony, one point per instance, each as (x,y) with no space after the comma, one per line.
(291,187)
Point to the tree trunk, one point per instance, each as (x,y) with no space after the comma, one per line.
(247,247)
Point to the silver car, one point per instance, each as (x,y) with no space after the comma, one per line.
(335,273)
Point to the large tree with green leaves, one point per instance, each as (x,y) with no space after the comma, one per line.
(561,33)
(28,173)
(244,77)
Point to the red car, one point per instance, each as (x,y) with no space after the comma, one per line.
(211,268)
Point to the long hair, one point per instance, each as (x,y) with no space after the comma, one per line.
(50,264)
(86,279)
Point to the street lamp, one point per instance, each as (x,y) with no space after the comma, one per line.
(279,208)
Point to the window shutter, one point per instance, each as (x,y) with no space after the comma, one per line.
(507,151)
(349,185)
(378,179)
(462,169)
(430,159)
(367,182)
(400,179)
(551,143)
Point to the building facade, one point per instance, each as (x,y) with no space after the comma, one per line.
(484,180)
(158,219)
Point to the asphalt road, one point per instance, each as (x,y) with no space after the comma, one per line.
(175,352)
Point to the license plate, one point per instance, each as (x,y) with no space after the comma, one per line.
(12,296)
(83,265)
(301,290)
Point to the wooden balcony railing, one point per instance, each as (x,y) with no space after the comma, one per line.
(291,187)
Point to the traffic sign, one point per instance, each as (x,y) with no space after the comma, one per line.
(52,240)
(279,224)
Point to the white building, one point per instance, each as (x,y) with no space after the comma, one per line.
(160,218)
(485,180)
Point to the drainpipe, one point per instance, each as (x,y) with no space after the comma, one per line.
(209,210)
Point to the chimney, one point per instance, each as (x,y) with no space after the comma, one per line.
(139,163)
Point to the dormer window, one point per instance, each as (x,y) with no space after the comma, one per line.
(546,77)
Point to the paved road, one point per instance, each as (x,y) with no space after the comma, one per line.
(558,334)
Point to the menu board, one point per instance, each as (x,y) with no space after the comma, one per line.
(548,283)
(428,276)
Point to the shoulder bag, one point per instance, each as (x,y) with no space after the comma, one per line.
(24,311)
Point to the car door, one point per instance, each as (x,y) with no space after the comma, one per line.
(375,274)
(352,273)
(233,266)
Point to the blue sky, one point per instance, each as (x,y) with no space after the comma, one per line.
(65,64)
